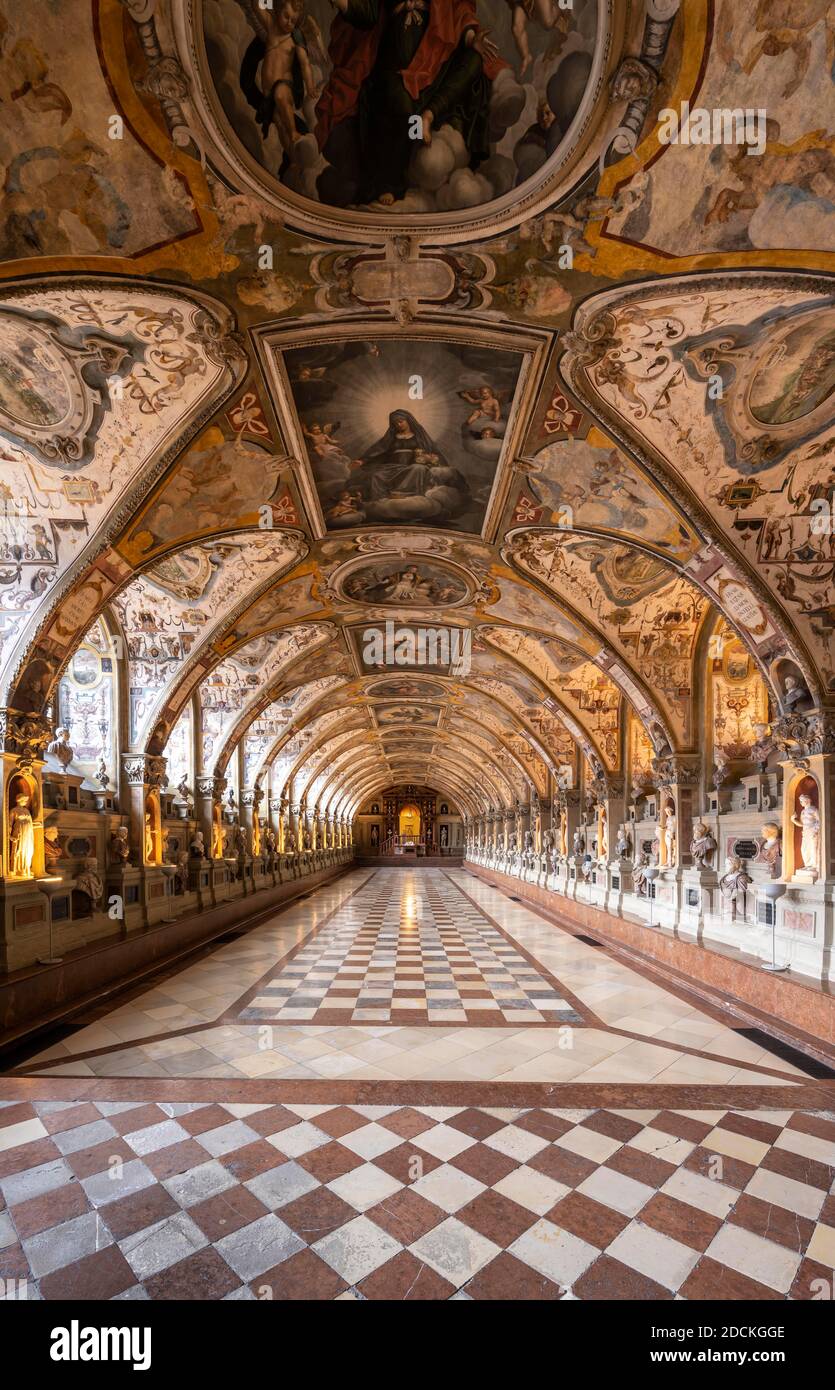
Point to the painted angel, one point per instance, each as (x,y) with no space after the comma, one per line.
(286,80)
(487,402)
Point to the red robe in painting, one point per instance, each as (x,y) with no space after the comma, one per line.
(353,52)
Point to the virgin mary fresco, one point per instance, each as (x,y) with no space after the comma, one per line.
(404,476)
(377,453)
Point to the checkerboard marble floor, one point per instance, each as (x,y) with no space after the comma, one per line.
(370,1095)
(192,1021)
(136,1200)
(419,952)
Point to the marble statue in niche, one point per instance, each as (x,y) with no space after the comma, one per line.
(807,819)
(197,847)
(578,843)
(670,829)
(702,845)
(149,839)
(21,837)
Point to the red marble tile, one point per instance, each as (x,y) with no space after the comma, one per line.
(203,1276)
(546,1126)
(406,1216)
(561,1165)
(485,1164)
(735,1173)
(507,1279)
(813,1281)
(304,1276)
(496,1217)
(97,1276)
(797,1166)
(25,1156)
(85,1163)
(19,1114)
(608,1279)
(405,1279)
(339,1121)
(751,1126)
(137,1211)
(59,1121)
(711,1281)
(250,1160)
(643,1167)
(129,1121)
(476,1123)
(680,1221)
(682,1126)
(589,1220)
(316,1214)
(39,1213)
(13,1263)
(772,1222)
(407,1163)
(206,1118)
(177,1158)
(329,1162)
(813,1124)
(406,1122)
(613,1126)
(226,1212)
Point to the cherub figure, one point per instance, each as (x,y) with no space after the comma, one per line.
(321,436)
(487,402)
(286,75)
(547,13)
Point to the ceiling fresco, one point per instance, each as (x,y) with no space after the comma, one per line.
(395,403)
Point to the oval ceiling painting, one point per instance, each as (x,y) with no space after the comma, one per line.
(402,106)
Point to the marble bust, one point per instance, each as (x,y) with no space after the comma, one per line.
(795,693)
(734,883)
(119,846)
(60,747)
(702,845)
(771,851)
(89,881)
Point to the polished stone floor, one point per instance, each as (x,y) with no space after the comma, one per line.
(407,1085)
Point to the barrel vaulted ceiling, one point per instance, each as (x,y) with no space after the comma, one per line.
(209,348)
